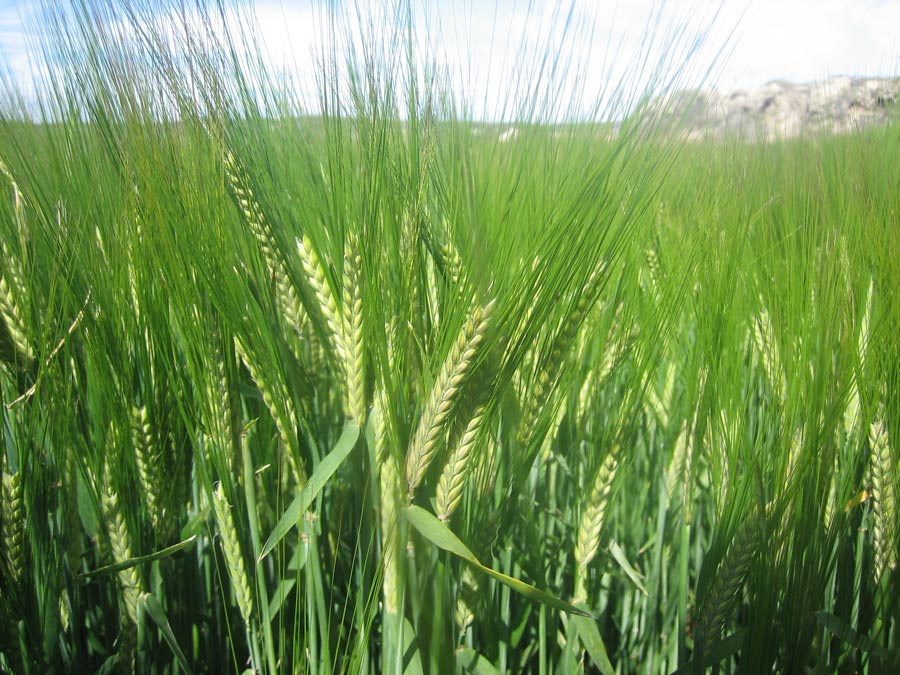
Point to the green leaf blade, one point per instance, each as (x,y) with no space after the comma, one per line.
(441,536)
(157,613)
(316,483)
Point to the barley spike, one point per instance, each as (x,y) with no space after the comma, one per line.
(315,276)
(14,526)
(443,394)
(120,543)
(450,485)
(884,506)
(354,356)
(234,559)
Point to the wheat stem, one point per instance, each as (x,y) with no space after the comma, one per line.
(389,496)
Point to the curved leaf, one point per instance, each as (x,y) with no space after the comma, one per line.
(475,663)
(440,535)
(156,612)
(590,637)
(844,631)
(324,471)
(139,560)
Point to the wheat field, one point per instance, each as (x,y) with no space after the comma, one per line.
(384,389)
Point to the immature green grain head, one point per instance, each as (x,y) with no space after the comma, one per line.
(721,602)
(593,516)
(769,353)
(453,477)
(120,543)
(148,462)
(551,362)
(354,352)
(13,524)
(234,558)
(12,316)
(440,403)
(318,282)
(882,476)
(280,406)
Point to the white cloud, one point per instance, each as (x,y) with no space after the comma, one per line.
(481,42)
(806,40)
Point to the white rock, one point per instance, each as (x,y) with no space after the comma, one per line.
(782,109)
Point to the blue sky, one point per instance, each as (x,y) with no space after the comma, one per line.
(797,40)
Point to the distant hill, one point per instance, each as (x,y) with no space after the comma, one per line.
(782,109)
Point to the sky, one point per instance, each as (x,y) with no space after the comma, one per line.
(750,42)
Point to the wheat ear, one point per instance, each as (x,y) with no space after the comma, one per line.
(466,594)
(12,269)
(14,527)
(289,301)
(454,271)
(546,379)
(389,479)
(453,477)
(285,293)
(12,284)
(852,414)
(239,184)
(218,397)
(443,394)
(147,461)
(770,355)
(68,468)
(680,469)
(593,518)
(129,578)
(654,273)
(727,585)
(234,559)
(12,316)
(120,543)
(285,418)
(884,505)
(354,357)
(661,405)
(315,276)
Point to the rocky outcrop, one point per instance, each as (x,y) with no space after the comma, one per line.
(783,110)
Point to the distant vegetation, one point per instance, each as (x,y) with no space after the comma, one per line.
(374,391)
